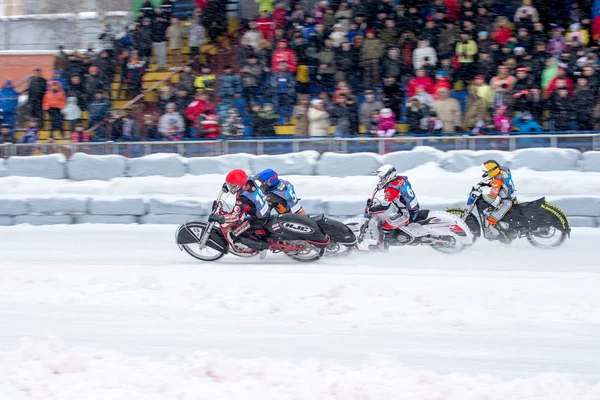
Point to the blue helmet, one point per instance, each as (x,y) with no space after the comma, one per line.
(268,177)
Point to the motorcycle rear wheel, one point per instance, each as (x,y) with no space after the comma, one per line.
(448,249)
(557,238)
(309,254)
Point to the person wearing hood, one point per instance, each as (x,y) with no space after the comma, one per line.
(560,80)
(421,52)
(284,54)
(387,123)
(441,81)
(526,124)
(171,124)
(501,121)
(318,119)
(71,112)
(394,66)
(58,77)
(9,100)
(54,101)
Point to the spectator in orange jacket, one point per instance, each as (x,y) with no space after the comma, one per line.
(283,53)
(54,101)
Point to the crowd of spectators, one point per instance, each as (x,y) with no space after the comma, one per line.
(439,66)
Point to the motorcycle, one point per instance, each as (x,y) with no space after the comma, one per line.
(442,231)
(537,220)
(342,239)
(297,236)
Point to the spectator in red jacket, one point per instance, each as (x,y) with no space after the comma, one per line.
(283,53)
(198,107)
(502,33)
(441,81)
(209,127)
(420,80)
(280,16)
(560,82)
(266,26)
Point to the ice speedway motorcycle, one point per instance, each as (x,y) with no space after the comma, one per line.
(442,231)
(300,237)
(542,223)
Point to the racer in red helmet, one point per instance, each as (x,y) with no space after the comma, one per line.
(250,213)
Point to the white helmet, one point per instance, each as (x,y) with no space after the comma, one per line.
(386,174)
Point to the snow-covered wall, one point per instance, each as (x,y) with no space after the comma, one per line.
(169,189)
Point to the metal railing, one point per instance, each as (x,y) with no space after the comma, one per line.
(203,148)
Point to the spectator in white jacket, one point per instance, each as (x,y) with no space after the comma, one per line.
(528,10)
(196,35)
(171,125)
(252,35)
(424,50)
(318,119)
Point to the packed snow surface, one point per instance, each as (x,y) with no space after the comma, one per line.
(118,312)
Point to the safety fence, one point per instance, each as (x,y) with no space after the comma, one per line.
(198,148)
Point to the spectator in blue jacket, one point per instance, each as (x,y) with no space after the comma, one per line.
(526,124)
(9,99)
(99,110)
(230,87)
(58,76)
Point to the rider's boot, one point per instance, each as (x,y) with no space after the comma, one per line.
(384,241)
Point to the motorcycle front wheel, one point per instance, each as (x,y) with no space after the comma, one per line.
(193,249)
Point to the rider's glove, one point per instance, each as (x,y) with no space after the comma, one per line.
(476,192)
(224,188)
(216,218)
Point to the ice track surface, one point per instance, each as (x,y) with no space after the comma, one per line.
(118,312)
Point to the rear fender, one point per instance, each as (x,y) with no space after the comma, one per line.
(297,227)
(447,224)
(337,231)
(561,222)
(472,221)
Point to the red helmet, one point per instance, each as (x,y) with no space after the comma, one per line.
(235,180)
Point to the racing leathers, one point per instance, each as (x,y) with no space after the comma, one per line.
(247,220)
(282,198)
(399,205)
(501,197)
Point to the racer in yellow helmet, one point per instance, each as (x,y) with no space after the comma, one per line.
(501,196)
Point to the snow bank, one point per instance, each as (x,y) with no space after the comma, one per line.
(546,159)
(6,221)
(83,167)
(169,219)
(13,207)
(219,165)
(50,167)
(302,163)
(169,165)
(590,161)
(191,207)
(405,160)
(52,370)
(345,208)
(53,205)
(106,219)
(122,206)
(44,219)
(332,164)
(3,171)
(584,222)
(579,206)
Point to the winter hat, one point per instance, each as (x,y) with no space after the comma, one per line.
(171,106)
(483,34)
(519,49)
(371,31)
(575,27)
(443,74)
(385,112)
(316,102)
(582,60)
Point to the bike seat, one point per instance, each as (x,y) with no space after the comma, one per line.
(421,216)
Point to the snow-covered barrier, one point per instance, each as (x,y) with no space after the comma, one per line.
(118,206)
(6,221)
(302,163)
(332,164)
(219,165)
(584,222)
(50,167)
(579,206)
(83,167)
(550,159)
(169,219)
(12,207)
(185,207)
(405,160)
(590,161)
(106,219)
(44,219)
(57,205)
(169,165)
(345,208)
(3,171)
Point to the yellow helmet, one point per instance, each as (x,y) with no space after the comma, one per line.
(490,169)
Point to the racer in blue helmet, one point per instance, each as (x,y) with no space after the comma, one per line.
(280,194)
